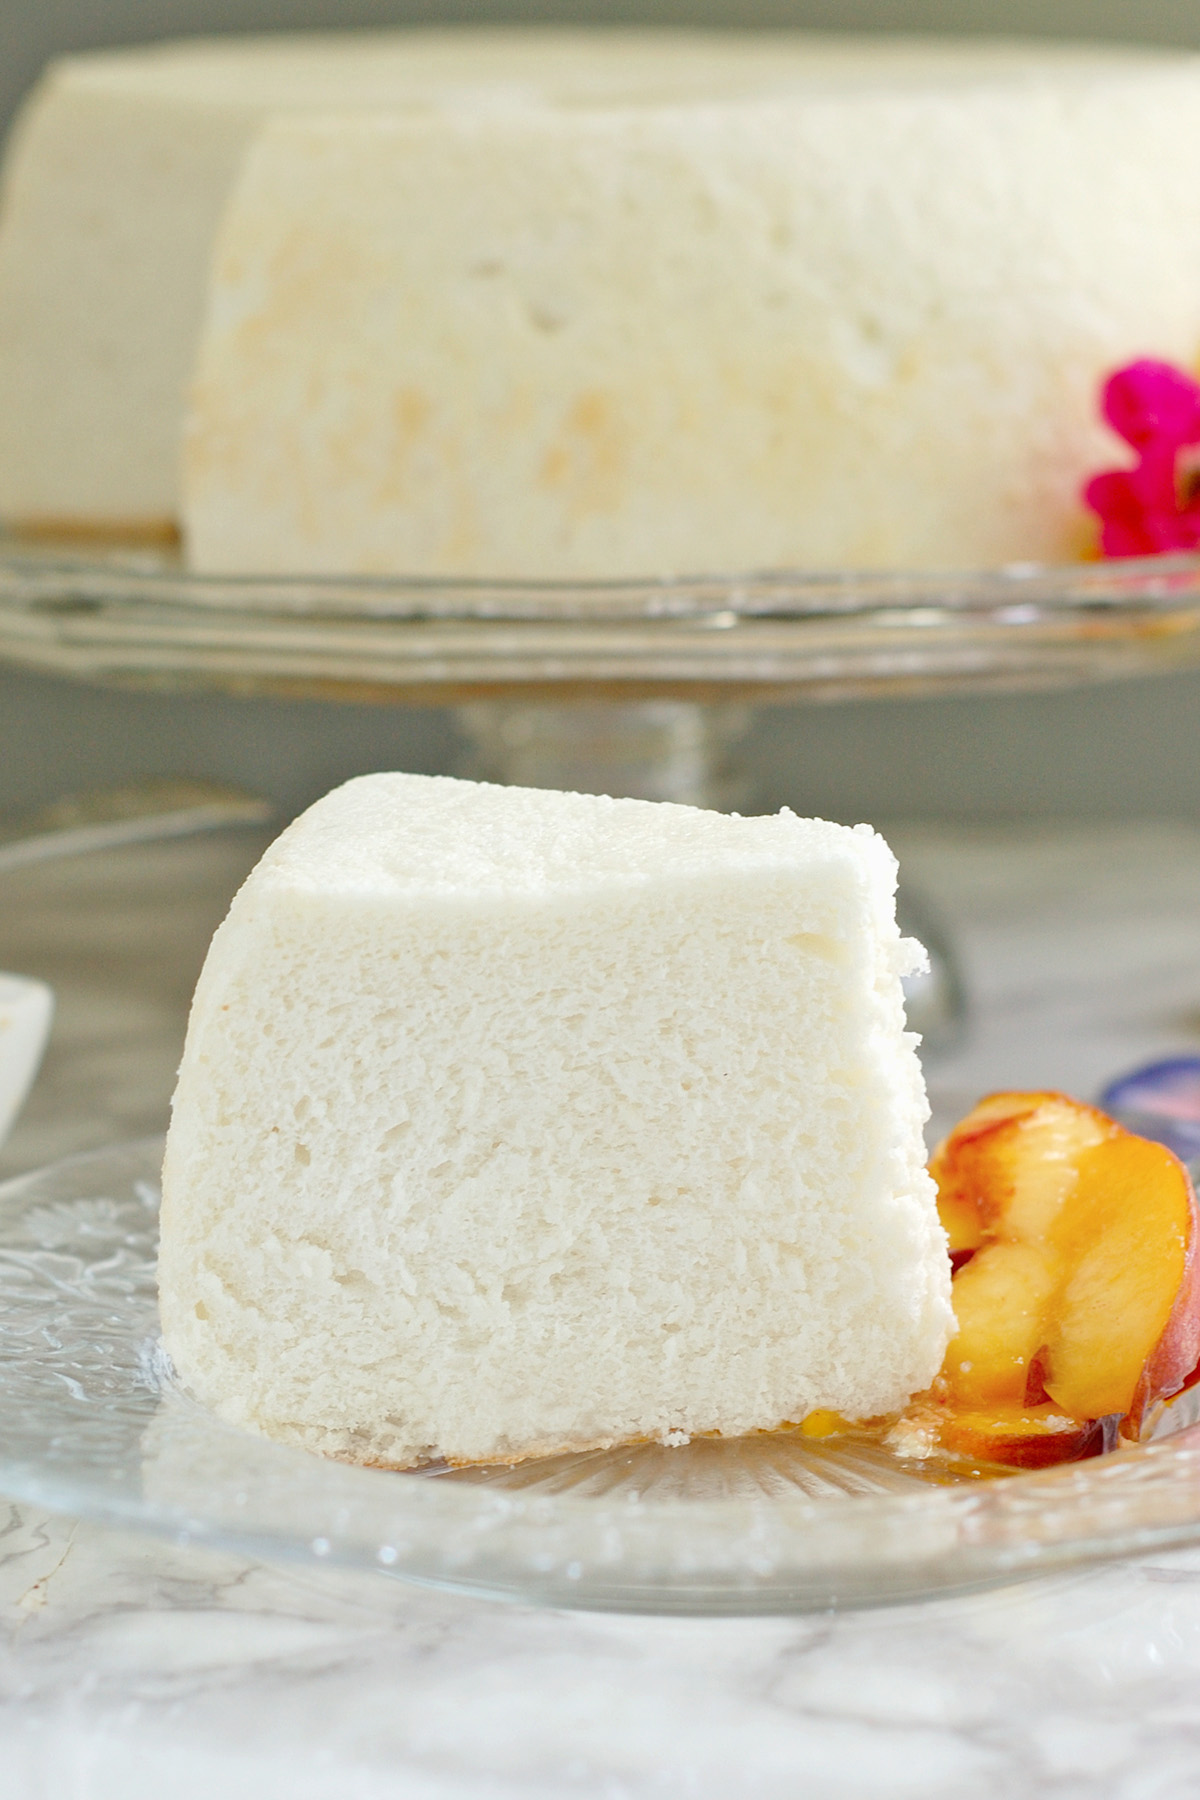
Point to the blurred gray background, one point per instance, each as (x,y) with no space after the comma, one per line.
(1125,749)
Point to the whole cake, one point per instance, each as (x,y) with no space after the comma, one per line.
(578,305)
(512,1122)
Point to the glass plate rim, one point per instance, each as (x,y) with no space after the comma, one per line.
(155,574)
(664,1556)
(136,620)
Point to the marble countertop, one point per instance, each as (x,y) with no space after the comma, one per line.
(129,1666)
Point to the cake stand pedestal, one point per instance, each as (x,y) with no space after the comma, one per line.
(647,750)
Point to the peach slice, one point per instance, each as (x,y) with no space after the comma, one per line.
(1127,1330)
(1026,1437)
(1077,1290)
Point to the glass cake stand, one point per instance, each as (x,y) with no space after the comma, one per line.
(630,687)
(642,688)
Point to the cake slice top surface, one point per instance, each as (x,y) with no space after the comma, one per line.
(397,835)
(576,67)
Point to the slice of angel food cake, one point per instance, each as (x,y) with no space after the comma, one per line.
(513,1122)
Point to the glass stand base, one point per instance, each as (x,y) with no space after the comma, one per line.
(644,750)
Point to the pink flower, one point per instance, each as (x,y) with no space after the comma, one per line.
(1154,506)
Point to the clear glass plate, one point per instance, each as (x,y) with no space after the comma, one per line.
(139,618)
(92,1424)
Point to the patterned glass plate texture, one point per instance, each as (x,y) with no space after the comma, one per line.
(141,619)
(92,1424)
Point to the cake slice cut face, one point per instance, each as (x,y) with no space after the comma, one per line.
(513,1122)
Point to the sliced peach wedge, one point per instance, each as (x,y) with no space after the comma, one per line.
(1076,1285)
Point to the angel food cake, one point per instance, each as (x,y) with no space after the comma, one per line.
(512,1122)
(583,305)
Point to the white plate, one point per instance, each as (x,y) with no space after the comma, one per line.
(26,1009)
(91,1424)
